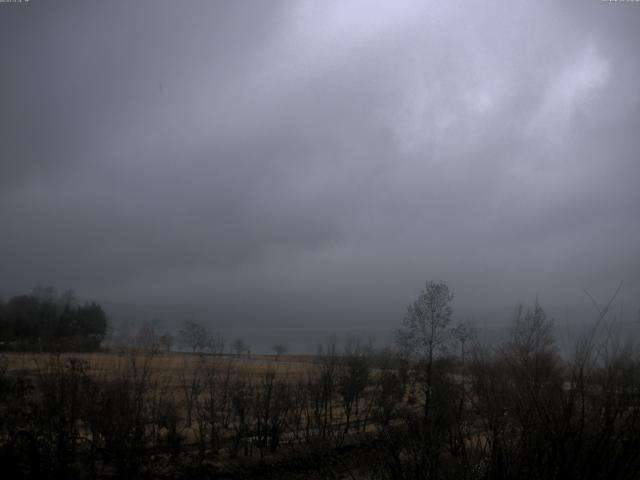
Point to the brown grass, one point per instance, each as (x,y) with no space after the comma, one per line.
(166,366)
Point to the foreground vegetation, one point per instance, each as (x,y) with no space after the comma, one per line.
(438,406)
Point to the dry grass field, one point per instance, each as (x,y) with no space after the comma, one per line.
(166,365)
(172,371)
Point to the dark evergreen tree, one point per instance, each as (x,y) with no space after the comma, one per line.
(45,321)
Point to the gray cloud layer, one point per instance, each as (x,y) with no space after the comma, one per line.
(292,162)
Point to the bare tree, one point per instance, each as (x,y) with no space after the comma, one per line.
(215,344)
(279,350)
(166,341)
(271,405)
(191,384)
(147,337)
(423,338)
(214,406)
(426,321)
(425,329)
(242,393)
(353,379)
(195,336)
(240,347)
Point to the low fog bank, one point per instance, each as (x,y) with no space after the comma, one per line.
(491,326)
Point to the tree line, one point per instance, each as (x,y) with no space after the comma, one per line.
(46,320)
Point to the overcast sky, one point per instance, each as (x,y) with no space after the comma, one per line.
(297,162)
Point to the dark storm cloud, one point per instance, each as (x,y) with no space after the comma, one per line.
(289,161)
